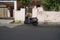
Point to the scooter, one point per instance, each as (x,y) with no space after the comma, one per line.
(33,21)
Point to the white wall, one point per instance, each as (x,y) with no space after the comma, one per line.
(49,16)
(15,5)
(45,16)
(19,15)
(40,9)
(34,12)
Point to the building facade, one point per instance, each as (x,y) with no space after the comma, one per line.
(6,9)
(17,10)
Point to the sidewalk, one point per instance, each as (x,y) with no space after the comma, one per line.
(9,25)
(4,22)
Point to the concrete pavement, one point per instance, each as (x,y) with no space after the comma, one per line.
(5,21)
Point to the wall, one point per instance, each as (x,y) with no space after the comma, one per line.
(46,16)
(43,16)
(35,11)
(49,16)
(19,15)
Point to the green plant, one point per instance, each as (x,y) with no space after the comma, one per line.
(25,2)
(51,4)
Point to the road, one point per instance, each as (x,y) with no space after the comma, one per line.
(30,32)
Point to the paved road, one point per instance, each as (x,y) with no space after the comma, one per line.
(29,32)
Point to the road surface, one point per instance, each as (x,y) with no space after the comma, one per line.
(30,32)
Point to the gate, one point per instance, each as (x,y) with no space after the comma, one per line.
(28,11)
(3,12)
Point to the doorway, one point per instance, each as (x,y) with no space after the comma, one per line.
(28,12)
(28,15)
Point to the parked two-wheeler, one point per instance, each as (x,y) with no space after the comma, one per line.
(33,21)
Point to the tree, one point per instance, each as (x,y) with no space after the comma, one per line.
(51,4)
(25,2)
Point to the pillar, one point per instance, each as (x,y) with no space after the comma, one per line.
(34,12)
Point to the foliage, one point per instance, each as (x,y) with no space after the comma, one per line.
(51,4)
(25,2)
